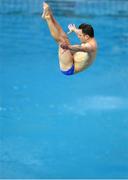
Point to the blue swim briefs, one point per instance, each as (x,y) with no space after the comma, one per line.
(70,71)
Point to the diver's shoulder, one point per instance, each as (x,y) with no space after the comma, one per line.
(93,43)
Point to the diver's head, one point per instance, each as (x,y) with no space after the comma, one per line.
(86,32)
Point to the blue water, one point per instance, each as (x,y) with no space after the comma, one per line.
(55,126)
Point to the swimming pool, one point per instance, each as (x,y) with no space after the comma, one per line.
(54,126)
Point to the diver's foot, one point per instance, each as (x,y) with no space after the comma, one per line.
(46,11)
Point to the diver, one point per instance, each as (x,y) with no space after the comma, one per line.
(72,58)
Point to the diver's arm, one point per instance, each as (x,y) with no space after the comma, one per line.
(84,48)
(74,48)
(77,48)
(87,47)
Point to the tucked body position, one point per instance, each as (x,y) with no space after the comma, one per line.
(72,58)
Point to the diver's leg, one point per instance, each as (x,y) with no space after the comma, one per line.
(65,56)
(55,29)
(65,59)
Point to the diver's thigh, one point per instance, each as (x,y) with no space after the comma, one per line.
(65,57)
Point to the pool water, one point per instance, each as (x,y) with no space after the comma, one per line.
(57,126)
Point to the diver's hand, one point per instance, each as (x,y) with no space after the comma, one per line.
(72,28)
(64,46)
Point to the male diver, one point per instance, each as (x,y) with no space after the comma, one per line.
(72,58)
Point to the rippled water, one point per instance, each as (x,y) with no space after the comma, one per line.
(54,126)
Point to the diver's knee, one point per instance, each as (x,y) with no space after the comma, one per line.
(63,39)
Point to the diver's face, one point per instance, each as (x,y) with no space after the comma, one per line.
(81,36)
